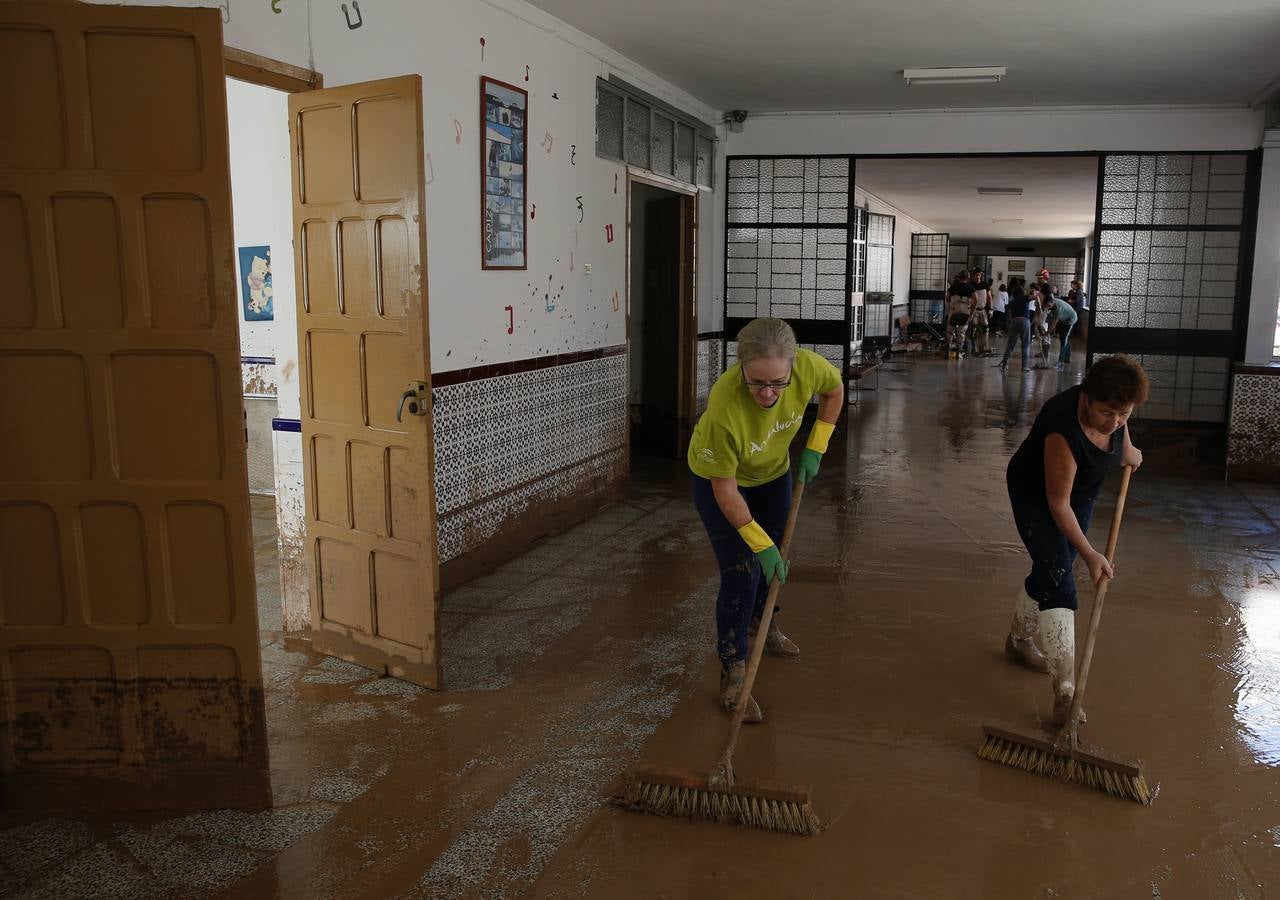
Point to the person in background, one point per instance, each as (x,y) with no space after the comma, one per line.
(1079,437)
(999,303)
(1019,311)
(1039,320)
(960,299)
(980,313)
(1062,318)
(741,476)
(1080,300)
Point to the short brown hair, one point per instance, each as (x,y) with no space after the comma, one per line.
(1116,381)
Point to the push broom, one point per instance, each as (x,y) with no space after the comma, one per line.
(1064,757)
(719,796)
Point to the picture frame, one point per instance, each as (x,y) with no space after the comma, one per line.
(1017,265)
(504,174)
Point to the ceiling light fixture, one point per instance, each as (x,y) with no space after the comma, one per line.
(1000,192)
(1006,221)
(955,75)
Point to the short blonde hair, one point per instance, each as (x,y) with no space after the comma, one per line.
(762,338)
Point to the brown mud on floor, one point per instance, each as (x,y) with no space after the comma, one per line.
(592,653)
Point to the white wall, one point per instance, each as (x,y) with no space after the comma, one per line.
(903,227)
(999,131)
(1266,259)
(441,42)
(1000,268)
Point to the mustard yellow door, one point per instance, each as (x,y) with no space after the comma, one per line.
(365,375)
(129,648)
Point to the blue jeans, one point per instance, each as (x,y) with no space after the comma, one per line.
(1050,583)
(1019,329)
(1064,333)
(743,590)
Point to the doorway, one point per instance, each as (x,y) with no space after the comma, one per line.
(661,338)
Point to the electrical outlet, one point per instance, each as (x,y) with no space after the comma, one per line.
(586,268)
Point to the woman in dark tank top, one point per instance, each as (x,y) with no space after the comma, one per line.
(1079,437)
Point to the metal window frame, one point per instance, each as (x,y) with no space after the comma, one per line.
(893,235)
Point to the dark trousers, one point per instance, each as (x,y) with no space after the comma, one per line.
(1019,330)
(743,590)
(1050,583)
(1064,335)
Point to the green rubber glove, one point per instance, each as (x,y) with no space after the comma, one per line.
(807,466)
(772,563)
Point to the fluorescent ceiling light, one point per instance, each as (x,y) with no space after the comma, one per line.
(1006,221)
(955,75)
(1000,192)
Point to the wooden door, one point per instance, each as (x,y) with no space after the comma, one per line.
(129,649)
(362,334)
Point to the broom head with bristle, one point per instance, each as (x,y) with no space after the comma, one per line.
(760,804)
(1040,754)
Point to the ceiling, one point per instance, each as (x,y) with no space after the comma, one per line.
(768,55)
(1058,201)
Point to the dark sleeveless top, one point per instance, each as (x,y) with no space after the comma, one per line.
(1059,416)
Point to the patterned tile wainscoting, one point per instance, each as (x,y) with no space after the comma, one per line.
(508,443)
(1253,437)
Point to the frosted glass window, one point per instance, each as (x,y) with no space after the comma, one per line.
(608,124)
(664,139)
(684,153)
(638,134)
(705,149)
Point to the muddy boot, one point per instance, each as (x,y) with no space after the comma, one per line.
(1020,645)
(778,644)
(730,686)
(1058,632)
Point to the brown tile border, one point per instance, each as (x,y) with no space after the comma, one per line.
(515,366)
(710,335)
(1244,369)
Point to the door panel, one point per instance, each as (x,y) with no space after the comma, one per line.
(362,332)
(129,666)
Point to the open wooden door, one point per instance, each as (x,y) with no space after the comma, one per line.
(365,375)
(129,667)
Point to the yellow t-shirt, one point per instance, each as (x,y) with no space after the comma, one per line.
(736,438)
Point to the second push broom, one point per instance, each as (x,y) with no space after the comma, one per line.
(719,795)
(1064,757)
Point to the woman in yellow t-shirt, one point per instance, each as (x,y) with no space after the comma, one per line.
(742,480)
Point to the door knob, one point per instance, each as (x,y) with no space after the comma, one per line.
(416,397)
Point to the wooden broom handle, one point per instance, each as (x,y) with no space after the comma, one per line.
(762,631)
(1096,617)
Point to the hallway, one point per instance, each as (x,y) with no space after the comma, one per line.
(567,666)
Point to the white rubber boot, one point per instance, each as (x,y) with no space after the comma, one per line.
(1020,645)
(1058,633)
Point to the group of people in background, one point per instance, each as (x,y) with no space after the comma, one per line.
(1019,312)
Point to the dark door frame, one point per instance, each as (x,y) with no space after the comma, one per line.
(686,349)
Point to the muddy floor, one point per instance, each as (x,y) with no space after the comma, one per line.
(593,652)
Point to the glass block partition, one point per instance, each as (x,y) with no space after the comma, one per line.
(1062,271)
(795,248)
(928,275)
(1171,253)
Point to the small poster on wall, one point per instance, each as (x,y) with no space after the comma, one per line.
(503,174)
(1017,265)
(255,284)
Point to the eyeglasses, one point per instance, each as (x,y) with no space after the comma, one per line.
(757,386)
